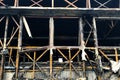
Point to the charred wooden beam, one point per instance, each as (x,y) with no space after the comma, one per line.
(60,12)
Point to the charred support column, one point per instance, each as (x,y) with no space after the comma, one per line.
(52,3)
(96,46)
(4,51)
(34,65)
(88,4)
(70,64)
(16,3)
(116,55)
(80,35)
(82,46)
(95,36)
(51,43)
(19,46)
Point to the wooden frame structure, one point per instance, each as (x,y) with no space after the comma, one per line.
(52,69)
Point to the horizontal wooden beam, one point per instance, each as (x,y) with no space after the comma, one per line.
(27,48)
(60,12)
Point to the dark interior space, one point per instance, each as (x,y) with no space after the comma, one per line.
(40,32)
(66,32)
(108,32)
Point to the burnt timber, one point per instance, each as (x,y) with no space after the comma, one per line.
(60,12)
(59,40)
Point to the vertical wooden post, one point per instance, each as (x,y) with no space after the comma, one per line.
(70,65)
(4,49)
(95,36)
(5,34)
(88,4)
(19,47)
(96,43)
(51,40)
(51,43)
(116,55)
(16,3)
(10,54)
(84,73)
(82,43)
(79,37)
(51,60)
(52,3)
(34,65)
(81,33)
(2,67)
